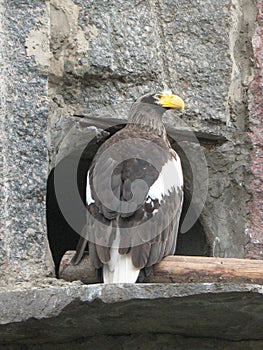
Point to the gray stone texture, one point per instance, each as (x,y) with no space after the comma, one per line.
(254,248)
(69,316)
(62,57)
(118,50)
(23,142)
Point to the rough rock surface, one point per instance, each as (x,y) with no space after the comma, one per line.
(24,26)
(107,60)
(61,57)
(169,314)
(103,60)
(255,246)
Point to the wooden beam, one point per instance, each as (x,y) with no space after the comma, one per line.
(207,269)
(84,271)
(177,269)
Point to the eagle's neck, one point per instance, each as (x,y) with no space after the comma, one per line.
(148,116)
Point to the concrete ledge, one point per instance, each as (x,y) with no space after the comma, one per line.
(63,313)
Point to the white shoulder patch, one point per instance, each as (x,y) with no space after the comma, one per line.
(171,176)
(89,199)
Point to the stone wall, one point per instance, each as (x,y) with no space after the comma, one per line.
(104,58)
(63,57)
(133,316)
(255,222)
(24,151)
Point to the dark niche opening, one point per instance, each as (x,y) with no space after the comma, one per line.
(63,237)
(194,241)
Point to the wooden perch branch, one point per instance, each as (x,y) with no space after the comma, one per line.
(176,268)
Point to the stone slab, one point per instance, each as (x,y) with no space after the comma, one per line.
(65,312)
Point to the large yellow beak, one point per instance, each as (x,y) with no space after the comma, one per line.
(170,101)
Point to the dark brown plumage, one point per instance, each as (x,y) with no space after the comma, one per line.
(134,195)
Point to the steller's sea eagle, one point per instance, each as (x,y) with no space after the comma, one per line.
(134,195)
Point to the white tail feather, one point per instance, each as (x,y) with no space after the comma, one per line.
(120,268)
(122,272)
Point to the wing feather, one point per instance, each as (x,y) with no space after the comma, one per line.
(140,255)
(158,193)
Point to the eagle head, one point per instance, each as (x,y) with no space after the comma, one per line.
(165,99)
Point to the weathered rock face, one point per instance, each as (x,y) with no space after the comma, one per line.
(108,54)
(63,57)
(24,97)
(255,245)
(133,317)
